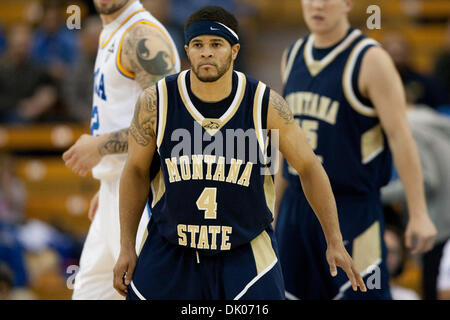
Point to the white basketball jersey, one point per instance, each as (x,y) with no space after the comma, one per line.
(115,89)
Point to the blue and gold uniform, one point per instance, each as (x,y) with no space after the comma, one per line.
(210,233)
(321,88)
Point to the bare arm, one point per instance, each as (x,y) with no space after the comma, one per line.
(380,82)
(88,150)
(135,184)
(295,148)
(280,182)
(281,185)
(147,55)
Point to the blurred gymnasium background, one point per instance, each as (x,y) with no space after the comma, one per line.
(46,73)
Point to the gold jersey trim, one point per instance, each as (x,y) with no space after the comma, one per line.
(209,124)
(316,66)
(347,85)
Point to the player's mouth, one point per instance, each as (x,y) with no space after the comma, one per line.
(206,65)
(318,18)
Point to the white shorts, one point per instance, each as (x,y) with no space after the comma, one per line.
(443,280)
(94,280)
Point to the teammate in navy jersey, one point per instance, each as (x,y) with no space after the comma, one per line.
(210,234)
(345,93)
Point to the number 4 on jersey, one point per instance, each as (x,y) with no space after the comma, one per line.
(207,202)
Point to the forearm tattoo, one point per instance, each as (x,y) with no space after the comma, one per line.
(149,54)
(281,106)
(116,142)
(143,126)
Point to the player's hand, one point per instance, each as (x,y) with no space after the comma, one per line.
(83,155)
(420,234)
(337,256)
(123,270)
(93,207)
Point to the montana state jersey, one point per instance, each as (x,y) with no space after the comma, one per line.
(212,193)
(321,88)
(342,126)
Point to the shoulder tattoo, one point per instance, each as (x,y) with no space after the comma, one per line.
(149,54)
(281,106)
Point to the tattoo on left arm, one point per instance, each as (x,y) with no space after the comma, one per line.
(148,54)
(159,65)
(279,104)
(116,142)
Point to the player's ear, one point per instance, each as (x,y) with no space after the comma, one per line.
(235,50)
(348,5)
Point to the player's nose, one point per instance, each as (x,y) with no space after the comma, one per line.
(206,52)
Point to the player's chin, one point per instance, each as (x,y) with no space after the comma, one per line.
(208,76)
(318,26)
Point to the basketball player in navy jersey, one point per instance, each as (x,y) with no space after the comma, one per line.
(345,93)
(210,234)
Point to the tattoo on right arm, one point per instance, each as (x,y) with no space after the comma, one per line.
(143,125)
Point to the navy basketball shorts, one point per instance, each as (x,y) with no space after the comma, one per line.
(165,271)
(302,248)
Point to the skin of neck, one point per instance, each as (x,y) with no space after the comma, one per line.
(213,91)
(333,35)
(108,18)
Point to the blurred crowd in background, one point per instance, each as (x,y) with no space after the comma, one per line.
(46,81)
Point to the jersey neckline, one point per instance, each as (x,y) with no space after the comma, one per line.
(316,66)
(115,25)
(211,125)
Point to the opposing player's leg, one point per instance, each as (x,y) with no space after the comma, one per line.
(94,279)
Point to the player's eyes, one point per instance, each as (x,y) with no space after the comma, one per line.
(216,45)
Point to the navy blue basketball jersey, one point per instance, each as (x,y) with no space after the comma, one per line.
(212,193)
(321,88)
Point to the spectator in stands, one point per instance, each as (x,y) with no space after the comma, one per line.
(12,253)
(54,45)
(78,87)
(396,258)
(420,88)
(11,214)
(442,65)
(12,192)
(443,282)
(431,132)
(2,40)
(27,93)
(6,282)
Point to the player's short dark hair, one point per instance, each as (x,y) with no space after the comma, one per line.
(213,13)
